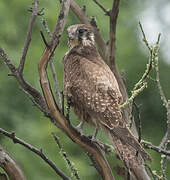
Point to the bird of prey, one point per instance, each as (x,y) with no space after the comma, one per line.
(93,92)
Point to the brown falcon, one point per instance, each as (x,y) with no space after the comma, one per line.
(94,94)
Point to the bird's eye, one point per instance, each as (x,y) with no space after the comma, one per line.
(81,31)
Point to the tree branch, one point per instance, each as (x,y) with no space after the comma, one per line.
(148,145)
(9,165)
(24,84)
(69,163)
(102,8)
(29,35)
(36,151)
(112,44)
(52,68)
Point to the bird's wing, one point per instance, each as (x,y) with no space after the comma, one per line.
(97,89)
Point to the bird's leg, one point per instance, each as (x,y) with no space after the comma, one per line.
(94,136)
(80,127)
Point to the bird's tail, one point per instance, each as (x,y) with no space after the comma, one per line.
(127,147)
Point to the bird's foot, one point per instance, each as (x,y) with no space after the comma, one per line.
(94,136)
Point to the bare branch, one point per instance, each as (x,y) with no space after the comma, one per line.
(10,166)
(102,8)
(24,84)
(164,166)
(144,37)
(60,24)
(69,163)
(44,40)
(36,151)
(162,95)
(29,35)
(141,84)
(46,27)
(8,61)
(52,68)
(112,44)
(155,148)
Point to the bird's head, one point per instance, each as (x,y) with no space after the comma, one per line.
(80,34)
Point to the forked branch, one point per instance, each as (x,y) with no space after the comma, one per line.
(34,150)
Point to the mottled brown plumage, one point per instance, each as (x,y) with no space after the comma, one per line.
(94,94)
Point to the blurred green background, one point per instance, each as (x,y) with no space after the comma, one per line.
(17,112)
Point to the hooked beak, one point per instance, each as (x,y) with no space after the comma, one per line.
(71,36)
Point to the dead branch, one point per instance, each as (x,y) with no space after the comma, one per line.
(9,165)
(18,72)
(158,149)
(112,44)
(102,8)
(166,103)
(68,161)
(52,68)
(40,153)
(37,97)
(29,35)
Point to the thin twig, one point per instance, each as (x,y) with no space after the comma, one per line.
(101,7)
(24,84)
(46,27)
(166,104)
(140,122)
(8,62)
(164,166)
(44,39)
(69,163)
(141,84)
(148,145)
(29,35)
(112,45)
(144,37)
(36,151)
(52,68)
(162,95)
